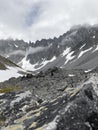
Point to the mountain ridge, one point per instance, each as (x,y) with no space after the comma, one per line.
(77,49)
(61,90)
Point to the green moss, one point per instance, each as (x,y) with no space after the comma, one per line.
(1,101)
(2,120)
(72,91)
(9,89)
(4,61)
(2,66)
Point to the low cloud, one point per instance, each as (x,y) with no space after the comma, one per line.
(30,50)
(37,19)
(33,50)
(18,52)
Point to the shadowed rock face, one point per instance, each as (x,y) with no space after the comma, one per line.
(51,100)
(78,116)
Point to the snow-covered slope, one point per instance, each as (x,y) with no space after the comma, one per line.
(9,73)
(77,49)
(8,69)
(77,59)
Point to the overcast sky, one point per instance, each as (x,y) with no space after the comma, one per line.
(37,19)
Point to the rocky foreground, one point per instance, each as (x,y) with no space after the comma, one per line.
(52,100)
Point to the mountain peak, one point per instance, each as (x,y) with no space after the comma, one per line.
(81,41)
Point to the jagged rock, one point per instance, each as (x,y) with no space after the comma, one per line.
(80,111)
(29,76)
(52,102)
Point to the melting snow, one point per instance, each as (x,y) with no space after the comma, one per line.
(28,66)
(45,62)
(9,73)
(86,71)
(82,52)
(65,52)
(16,46)
(69,57)
(96,49)
(71,75)
(82,46)
(94,37)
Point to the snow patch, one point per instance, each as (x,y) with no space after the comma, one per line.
(26,64)
(16,46)
(9,73)
(86,71)
(83,52)
(82,46)
(94,37)
(71,75)
(45,62)
(32,67)
(65,52)
(69,57)
(95,49)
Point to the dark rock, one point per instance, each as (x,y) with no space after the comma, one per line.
(89,94)
(39,101)
(93,120)
(29,76)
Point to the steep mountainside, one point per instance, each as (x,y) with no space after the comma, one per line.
(63,95)
(13,49)
(77,49)
(8,69)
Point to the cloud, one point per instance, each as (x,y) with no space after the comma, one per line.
(34,50)
(37,19)
(18,52)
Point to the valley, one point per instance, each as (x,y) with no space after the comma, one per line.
(51,84)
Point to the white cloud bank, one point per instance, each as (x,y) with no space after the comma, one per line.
(36,19)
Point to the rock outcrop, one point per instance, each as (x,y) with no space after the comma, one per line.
(57,102)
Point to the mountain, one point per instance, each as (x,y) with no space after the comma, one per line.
(8,69)
(77,49)
(63,95)
(13,49)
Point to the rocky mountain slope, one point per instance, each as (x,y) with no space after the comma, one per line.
(77,48)
(63,95)
(54,100)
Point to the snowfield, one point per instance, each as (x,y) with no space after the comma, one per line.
(9,73)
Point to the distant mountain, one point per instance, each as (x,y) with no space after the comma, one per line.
(8,69)
(77,49)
